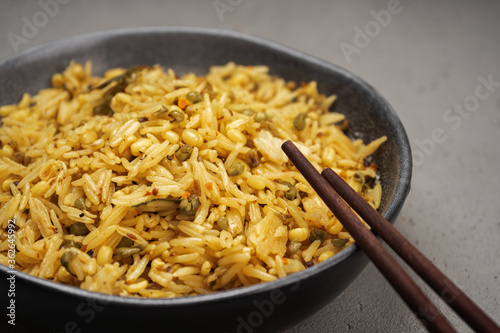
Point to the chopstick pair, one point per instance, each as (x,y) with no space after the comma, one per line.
(334,190)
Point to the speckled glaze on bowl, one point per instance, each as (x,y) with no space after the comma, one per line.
(271,306)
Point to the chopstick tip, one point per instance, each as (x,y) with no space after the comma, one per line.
(288,146)
(286,143)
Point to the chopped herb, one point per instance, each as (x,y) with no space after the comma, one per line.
(157,204)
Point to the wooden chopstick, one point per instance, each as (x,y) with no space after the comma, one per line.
(436,279)
(388,266)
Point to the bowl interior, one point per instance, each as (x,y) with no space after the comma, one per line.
(195,50)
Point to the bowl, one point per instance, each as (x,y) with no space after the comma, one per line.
(45,305)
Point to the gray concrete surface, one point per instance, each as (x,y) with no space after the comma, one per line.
(429,59)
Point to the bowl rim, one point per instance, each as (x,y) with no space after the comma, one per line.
(400,193)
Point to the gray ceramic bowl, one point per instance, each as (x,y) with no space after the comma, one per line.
(271,306)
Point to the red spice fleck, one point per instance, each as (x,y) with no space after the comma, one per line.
(84,248)
(183,103)
(131,236)
(148,193)
(185,195)
(209,186)
(155,191)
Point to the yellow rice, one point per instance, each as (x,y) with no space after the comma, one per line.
(63,165)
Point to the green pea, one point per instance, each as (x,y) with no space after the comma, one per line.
(236,169)
(338,243)
(78,229)
(68,243)
(66,259)
(125,242)
(291,193)
(190,205)
(317,234)
(222,223)
(177,116)
(80,204)
(294,247)
(300,122)
(194,97)
(184,152)
(260,117)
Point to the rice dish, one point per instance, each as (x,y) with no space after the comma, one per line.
(143,183)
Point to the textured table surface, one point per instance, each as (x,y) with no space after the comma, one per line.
(436,62)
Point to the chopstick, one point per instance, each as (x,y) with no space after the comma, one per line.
(425,311)
(436,279)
